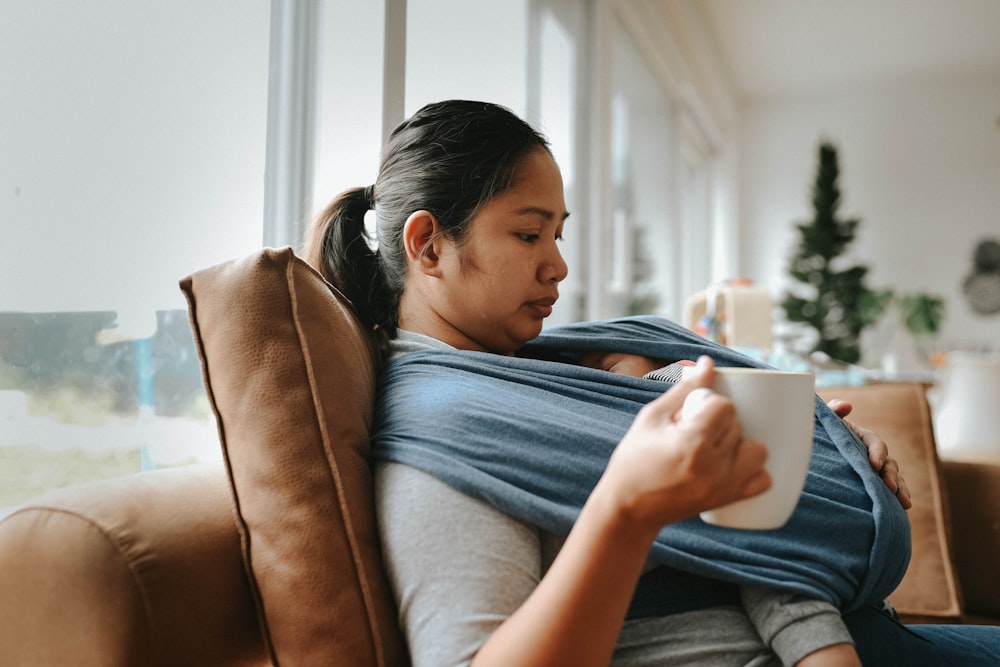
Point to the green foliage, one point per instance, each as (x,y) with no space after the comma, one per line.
(10,377)
(29,470)
(922,314)
(831,296)
(873,305)
(71,403)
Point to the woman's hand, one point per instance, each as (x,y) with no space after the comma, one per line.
(668,467)
(878,454)
(665,469)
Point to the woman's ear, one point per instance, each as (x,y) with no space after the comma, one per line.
(421,233)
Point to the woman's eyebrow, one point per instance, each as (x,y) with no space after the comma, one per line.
(543,212)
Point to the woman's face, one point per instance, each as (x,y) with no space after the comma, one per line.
(501,283)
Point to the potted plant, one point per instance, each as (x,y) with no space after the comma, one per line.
(829,294)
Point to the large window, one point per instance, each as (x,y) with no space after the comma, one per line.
(471,49)
(133,154)
(140,141)
(556,79)
(528,60)
(349,97)
(639,176)
(644,252)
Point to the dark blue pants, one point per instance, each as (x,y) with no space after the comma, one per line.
(881,640)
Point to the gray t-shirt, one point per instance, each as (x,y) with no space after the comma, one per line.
(459,567)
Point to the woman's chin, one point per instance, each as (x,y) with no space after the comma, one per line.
(532,333)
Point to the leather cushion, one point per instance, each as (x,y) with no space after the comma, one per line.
(137,570)
(899,414)
(291,378)
(974,491)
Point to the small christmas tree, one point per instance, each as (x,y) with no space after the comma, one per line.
(831,296)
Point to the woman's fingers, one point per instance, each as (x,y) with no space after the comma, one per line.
(694,401)
(669,405)
(710,419)
(750,458)
(675,462)
(894,480)
(878,454)
(840,407)
(878,450)
(903,493)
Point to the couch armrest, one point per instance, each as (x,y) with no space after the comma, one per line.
(143,570)
(899,413)
(974,492)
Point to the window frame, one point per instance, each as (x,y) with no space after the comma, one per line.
(705,257)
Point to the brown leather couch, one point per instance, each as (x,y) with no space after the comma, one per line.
(273,559)
(143,570)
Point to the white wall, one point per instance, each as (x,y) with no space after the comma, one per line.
(920,165)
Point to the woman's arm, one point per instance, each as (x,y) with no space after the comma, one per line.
(458,567)
(665,469)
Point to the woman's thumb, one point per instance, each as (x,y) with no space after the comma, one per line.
(671,402)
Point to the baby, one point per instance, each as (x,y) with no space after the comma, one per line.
(637,365)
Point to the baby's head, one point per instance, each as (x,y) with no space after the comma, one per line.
(621,363)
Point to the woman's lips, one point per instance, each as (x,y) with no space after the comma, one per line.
(542,307)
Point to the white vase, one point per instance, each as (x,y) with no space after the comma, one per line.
(966,405)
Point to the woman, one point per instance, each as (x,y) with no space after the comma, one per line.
(470,210)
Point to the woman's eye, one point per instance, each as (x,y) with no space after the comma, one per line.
(529,238)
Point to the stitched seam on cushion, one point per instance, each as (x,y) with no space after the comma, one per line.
(120,551)
(333,469)
(187,286)
(944,548)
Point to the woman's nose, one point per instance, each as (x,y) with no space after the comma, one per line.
(554,269)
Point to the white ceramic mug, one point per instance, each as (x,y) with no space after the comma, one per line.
(777,409)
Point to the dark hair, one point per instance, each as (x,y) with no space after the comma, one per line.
(449,158)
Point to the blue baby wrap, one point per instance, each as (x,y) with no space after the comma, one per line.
(532,436)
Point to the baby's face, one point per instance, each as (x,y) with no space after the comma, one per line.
(623,364)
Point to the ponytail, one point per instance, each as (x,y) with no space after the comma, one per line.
(339,247)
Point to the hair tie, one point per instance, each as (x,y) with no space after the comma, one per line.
(370,196)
